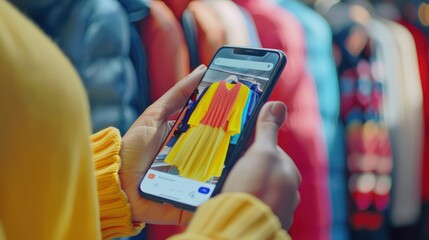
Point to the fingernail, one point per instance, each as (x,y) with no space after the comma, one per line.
(199,68)
(278,111)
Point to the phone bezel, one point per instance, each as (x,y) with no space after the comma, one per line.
(245,135)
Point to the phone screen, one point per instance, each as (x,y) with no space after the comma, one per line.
(210,127)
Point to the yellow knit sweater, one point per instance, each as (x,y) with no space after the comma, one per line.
(55,181)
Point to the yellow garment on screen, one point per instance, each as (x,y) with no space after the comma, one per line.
(200,152)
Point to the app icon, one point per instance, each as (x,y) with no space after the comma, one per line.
(192,194)
(203,190)
(151,176)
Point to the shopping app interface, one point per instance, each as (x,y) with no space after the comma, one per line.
(192,159)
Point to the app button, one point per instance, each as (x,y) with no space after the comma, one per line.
(151,176)
(192,194)
(203,190)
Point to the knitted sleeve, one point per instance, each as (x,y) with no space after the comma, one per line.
(234,216)
(115,211)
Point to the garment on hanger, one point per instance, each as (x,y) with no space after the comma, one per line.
(321,65)
(423,59)
(251,28)
(233,21)
(190,29)
(164,40)
(369,158)
(301,135)
(407,137)
(211,34)
(137,10)
(83,29)
(177,7)
(200,152)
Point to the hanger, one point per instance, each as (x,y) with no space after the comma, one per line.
(232,79)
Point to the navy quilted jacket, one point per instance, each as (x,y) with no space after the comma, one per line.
(96,37)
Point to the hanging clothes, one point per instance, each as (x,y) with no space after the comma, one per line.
(177,7)
(251,28)
(164,40)
(423,60)
(301,135)
(217,23)
(137,10)
(200,152)
(388,68)
(95,36)
(407,138)
(233,21)
(321,65)
(369,160)
(210,31)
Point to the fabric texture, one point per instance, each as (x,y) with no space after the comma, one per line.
(115,212)
(233,216)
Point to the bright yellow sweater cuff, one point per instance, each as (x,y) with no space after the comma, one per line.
(234,216)
(115,211)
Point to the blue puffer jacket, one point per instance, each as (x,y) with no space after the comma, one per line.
(95,35)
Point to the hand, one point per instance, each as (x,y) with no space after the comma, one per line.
(265,170)
(140,145)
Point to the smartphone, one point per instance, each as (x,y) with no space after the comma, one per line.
(213,127)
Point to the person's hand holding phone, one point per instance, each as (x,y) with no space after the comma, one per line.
(140,146)
(265,170)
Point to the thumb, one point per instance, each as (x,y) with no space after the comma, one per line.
(271,117)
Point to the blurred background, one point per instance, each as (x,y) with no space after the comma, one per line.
(356,85)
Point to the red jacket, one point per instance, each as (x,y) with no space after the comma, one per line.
(301,135)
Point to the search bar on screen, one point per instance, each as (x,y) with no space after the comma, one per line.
(228,62)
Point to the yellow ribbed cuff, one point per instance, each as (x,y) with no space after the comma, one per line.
(115,211)
(234,216)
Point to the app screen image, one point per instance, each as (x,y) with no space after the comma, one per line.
(192,158)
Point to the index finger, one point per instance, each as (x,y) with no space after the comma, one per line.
(175,98)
